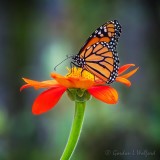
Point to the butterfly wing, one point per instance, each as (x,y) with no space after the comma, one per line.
(108,32)
(101,61)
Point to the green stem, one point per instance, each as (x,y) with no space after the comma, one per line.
(75,130)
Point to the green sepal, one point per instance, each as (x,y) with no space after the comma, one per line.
(78,95)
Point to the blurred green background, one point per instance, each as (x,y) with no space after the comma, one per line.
(36,36)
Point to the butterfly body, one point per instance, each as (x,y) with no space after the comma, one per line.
(99,55)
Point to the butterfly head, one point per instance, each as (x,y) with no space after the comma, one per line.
(78,61)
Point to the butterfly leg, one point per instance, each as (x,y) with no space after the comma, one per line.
(72,68)
(83,69)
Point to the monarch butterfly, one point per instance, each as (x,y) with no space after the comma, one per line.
(99,55)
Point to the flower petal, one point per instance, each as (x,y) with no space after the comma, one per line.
(61,80)
(47,100)
(24,87)
(130,73)
(124,68)
(73,82)
(106,94)
(37,84)
(124,81)
(81,82)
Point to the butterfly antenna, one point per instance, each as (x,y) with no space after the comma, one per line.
(62,61)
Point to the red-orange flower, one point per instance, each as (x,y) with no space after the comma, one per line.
(78,80)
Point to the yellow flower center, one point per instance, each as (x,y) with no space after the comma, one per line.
(79,73)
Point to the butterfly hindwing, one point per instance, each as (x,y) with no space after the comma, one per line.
(102,61)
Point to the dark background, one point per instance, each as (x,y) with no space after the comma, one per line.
(35,36)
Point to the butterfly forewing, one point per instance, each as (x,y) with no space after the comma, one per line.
(108,32)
